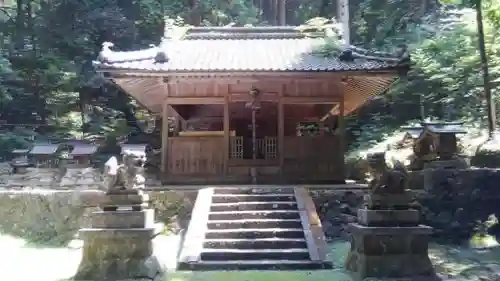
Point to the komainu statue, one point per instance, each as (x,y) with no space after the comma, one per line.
(389,175)
(126,176)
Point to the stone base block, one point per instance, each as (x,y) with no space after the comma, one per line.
(124,191)
(388,201)
(122,219)
(120,269)
(411,266)
(457,163)
(389,252)
(119,233)
(388,218)
(102,244)
(124,199)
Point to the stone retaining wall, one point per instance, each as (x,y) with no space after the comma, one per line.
(50,216)
(65,178)
(455,203)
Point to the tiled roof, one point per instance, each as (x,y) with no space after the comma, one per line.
(44,149)
(83,149)
(241,49)
(439,127)
(134,147)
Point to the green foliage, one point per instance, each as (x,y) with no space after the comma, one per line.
(327,30)
(47,80)
(487,155)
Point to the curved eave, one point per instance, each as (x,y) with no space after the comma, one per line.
(401,70)
(360,90)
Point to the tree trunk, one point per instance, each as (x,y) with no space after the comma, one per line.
(195,12)
(282,12)
(484,62)
(20,27)
(323,9)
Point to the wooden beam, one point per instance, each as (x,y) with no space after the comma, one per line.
(226,134)
(334,111)
(245,97)
(164,138)
(312,100)
(341,129)
(252,74)
(196,100)
(234,80)
(164,131)
(281,130)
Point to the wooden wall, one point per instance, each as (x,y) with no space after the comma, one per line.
(204,160)
(195,156)
(306,160)
(311,159)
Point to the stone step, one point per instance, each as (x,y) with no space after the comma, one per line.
(256,265)
(235,198)
(264,243)
(254,233)
(249,191)
(254,254)
(251,206)
(255,223)
(277,214)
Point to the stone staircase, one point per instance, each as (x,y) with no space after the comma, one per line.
(253,229)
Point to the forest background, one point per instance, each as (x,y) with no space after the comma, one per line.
(48,87)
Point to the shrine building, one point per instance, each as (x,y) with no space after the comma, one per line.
(252,104)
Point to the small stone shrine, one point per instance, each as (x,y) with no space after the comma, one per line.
(19,161)
(119,245)
(387,241)
(81,153)
(435,145)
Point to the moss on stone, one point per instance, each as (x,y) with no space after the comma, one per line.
(487,156)
(54,217)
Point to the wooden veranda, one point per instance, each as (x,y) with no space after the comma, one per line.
(253,105)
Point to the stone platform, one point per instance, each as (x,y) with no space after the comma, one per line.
(118,245)
(388,242)
(393,252)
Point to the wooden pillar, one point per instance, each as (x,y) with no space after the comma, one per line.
(341,130)
(281,132)
(226,135)
(164,139)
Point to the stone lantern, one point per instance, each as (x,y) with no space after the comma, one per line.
(20,161)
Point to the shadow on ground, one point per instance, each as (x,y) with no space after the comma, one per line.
(28,261)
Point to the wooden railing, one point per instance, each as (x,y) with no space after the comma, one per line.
(267,148)
(196,155)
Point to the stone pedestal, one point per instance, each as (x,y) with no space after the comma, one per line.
(388,242)
(118,245)
(455,163)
